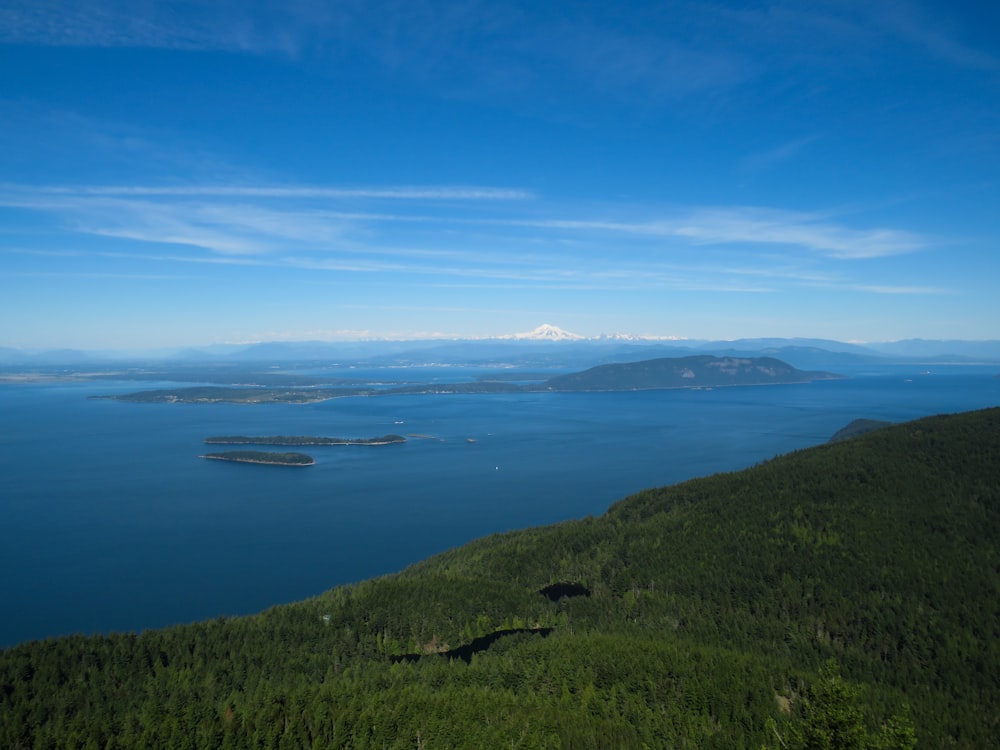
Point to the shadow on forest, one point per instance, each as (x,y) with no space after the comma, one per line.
(557,591)
(476,646)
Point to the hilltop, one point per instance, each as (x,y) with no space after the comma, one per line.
(685,616)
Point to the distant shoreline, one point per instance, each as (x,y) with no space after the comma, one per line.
(661,373)
(290,440)
(178,397)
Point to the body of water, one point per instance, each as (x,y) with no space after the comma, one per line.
(110,521)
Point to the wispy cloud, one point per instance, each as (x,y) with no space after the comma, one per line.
(96,275)
(814,233)
(272,212)
(234,219)
(134,256)
(889,289)
(479,239)
(228,230)
(431,192)
(754,225)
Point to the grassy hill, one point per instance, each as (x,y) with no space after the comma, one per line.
(696,614)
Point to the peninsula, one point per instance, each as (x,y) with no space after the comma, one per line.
(263,457)
(302,440)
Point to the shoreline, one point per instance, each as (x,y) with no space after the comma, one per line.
(293,441)
(293,444)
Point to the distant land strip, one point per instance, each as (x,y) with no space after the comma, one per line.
(653,374)
(302,440)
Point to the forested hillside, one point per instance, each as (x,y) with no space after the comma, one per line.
(711,614)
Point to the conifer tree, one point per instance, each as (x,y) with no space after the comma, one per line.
(829,719)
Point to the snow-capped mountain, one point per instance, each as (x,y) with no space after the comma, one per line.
(544,332)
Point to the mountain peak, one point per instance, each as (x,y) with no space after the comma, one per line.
(545,332)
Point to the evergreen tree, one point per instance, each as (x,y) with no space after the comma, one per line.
(829,719)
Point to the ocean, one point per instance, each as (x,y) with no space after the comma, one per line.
(109,521)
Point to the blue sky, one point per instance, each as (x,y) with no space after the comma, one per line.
(189,173)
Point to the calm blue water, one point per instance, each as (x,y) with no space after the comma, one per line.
(109,521)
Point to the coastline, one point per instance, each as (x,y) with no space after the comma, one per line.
(290,444)
(295,441)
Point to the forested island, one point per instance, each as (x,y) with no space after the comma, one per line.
(263,457)
(661,373)
(848,592)
(685,372)
(302,440)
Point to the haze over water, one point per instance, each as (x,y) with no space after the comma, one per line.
(109,521)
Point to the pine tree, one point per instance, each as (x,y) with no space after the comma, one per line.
(830,719)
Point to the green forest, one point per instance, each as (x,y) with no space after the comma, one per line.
(844,596)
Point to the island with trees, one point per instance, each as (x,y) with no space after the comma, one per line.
(302,440)
(262,457)
(702,371)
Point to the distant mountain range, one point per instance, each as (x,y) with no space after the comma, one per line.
(545,346)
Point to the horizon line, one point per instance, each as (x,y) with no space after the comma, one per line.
(563,337)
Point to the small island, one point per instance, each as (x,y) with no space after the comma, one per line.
(263,457)
(302,440)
